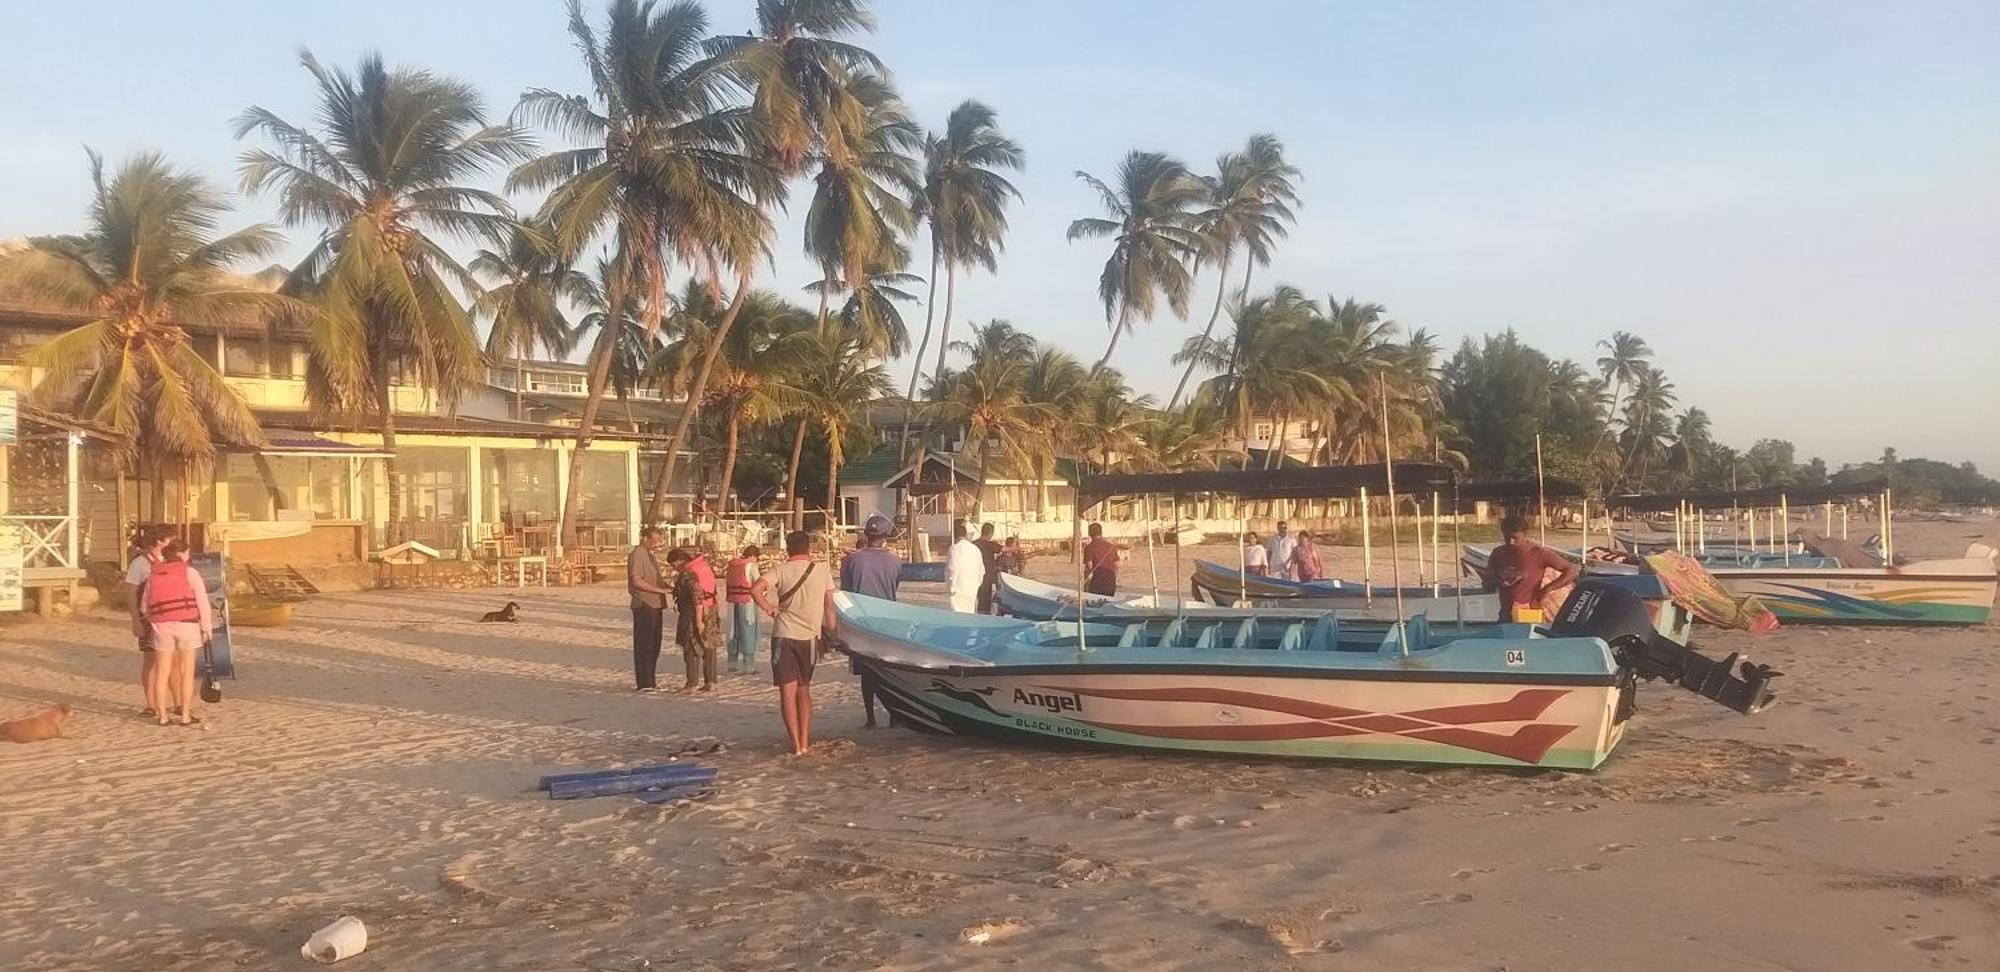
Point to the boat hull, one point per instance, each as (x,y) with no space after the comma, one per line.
(1568,723)
(1932,592)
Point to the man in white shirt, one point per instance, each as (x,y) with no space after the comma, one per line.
(965,569)
(1280,548)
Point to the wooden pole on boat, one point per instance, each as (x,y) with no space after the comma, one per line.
(1785,512)
(1888,529)
(1437,577)
(1076,545)
(1750,517)
(1541,485)
(1242,554)
(1179,538)
(1152,561)
(1843,521)
(1829,518)
(1458,589)
(1367,554)
(1583,541)
(1395,543)
(1701,531)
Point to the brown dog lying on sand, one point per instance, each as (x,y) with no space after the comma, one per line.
(505,614)
(46,724)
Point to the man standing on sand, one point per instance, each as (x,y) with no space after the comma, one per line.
(694,628)
(873,571)
(1517,568)
(989,560)
(1100,563)
(965,570)
(798,594)
(649,606)
(1279,550)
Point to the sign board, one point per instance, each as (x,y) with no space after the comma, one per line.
(10,415)
(210,566)
(10,567)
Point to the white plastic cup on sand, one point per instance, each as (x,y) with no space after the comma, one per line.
(343,939)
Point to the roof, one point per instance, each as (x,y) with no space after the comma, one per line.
(875,467)
(1317,482)
(67,423)
(1765,496)
(1257,459)
(612,407)
(282,442)
(423,423)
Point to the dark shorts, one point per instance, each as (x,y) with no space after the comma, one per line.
(792,660)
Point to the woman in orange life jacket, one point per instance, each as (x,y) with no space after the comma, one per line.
(742,629)
(177,608)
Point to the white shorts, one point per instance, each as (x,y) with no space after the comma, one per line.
(965,603)
(176,636)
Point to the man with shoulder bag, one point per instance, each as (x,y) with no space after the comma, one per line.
(798,595)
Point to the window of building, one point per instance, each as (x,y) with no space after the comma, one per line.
(1262,430)
(556,382)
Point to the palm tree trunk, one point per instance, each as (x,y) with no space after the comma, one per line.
(1275,458)
(600,370)
(520,379)
(1221,287)
(917,364)
(728,461)
(1124,313)
(385,411)
(694,396)
(832,480)
(792,475)
(944,328)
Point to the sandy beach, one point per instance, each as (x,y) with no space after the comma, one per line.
(379,758)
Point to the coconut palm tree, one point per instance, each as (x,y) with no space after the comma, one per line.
(1647,419)
(757,358)
(1351,344)
(1250,205)
(151,260)
(1625,356)
(964,201)
(860,202)
(668,166)
(1194,436)
(1266,365)
(832,381)
(870,309)
(1054,384)
(1156,236)
(797,65)
(385,177)
(525,301)
(1110,422)
(988,399)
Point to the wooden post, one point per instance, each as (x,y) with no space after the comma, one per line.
(1785,513)
(1367,554)
(1541,485)
(1437,580)
(1584,540)
(1395,542)
(1153,562)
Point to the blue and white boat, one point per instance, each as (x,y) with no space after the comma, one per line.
(1509,695)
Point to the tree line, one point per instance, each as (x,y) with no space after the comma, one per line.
(674,162)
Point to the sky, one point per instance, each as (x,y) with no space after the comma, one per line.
(1796,204)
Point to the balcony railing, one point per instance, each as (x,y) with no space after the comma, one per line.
(46,541)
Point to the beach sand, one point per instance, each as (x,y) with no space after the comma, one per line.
(379,758)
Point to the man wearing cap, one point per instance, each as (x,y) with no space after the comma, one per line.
(873,570)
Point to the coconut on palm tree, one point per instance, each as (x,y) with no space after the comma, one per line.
(525,301)
(150,261)
(1155,238)
(964,201)
(667,166)
(1250,200)
(385,178)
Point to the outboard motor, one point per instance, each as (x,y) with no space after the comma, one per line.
(1599,610)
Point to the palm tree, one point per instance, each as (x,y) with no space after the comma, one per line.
(988,400)
(1054,384)
(1194,436)
(860,194)
(757,359)
(832,382)
(387,171)
(797,65)
(1155,237)
(870,310)
(1692,444)
(1351,344)
(525,301)
(1625,356)
(1265,364)
(668,167)
(150,261)
(1250,202)
(1110,422)
(964,200)
(1646,424)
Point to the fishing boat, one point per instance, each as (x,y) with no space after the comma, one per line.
(1035,601)
(1505,695)
(1228,586)
(1833,580)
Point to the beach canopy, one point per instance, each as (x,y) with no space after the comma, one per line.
(1314,482)
(1762,496)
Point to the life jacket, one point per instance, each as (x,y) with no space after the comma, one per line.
(170,593)
(739,580)
(704,579)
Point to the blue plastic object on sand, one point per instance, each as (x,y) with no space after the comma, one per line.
(633,783)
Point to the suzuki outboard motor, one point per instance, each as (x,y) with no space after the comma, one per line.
(1599,610)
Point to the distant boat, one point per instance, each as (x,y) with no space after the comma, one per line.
(1035,601)
(1227,586)
(1508,695)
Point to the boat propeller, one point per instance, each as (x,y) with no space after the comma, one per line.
(1618,616)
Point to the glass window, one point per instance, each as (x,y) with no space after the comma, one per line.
(601,492)
(519,485)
